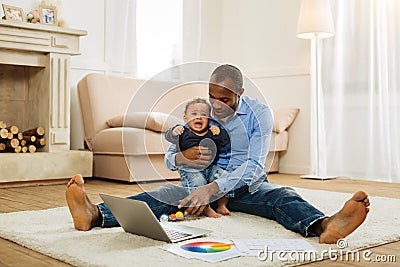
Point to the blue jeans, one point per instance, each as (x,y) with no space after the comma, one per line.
(270,201)
(194,178)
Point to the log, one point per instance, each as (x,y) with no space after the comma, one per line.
(3,133)
(2,147)
(41,142)
(12,143)
(19,136)
(10,135)
(3,124)
(32,148)
(24,149)
(39,131)
(23,142)
(18,149)
(13,129)
(29,139)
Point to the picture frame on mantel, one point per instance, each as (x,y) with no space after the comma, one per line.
(13,13)
(48,15)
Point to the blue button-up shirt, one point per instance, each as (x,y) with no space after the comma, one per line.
(244,160)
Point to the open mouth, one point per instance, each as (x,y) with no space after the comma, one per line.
(198,124)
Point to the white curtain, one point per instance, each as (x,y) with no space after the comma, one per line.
(120,43)
(191,30)
(361,87)
(144,37)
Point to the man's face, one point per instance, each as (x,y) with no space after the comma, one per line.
(223,98)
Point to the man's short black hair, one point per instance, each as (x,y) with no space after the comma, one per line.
(226,70)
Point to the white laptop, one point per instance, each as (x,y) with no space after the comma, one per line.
(137,218)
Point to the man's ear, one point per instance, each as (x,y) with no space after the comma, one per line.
(240,93)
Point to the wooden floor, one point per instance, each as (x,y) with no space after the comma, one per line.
(35,197)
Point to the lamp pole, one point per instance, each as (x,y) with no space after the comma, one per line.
(315,22)
(317,109)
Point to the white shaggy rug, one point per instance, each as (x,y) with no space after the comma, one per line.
(51,232)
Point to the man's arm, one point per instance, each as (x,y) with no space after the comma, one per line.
(251,170)
(198,157)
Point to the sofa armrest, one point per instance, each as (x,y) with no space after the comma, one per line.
(279,141)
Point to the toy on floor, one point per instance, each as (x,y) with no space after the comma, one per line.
(179,216)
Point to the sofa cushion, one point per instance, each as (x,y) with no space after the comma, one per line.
(132,141)
(154,121)
(283,118)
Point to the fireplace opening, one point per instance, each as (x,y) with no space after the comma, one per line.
(24,105)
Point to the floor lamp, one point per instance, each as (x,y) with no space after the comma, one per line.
(315,22)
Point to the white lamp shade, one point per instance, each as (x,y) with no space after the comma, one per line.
(315,20)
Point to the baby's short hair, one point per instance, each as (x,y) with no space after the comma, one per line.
(196,101)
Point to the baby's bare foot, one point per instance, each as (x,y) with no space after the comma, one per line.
(209,212)
(223,210)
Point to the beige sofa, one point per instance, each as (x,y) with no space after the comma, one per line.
(133,149)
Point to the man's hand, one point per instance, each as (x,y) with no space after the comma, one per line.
(198,157)
(199,199)
(215,130)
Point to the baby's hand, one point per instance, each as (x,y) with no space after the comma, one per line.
(215,130)
(178,130)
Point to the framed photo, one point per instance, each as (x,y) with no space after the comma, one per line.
(13,13)
(48,15)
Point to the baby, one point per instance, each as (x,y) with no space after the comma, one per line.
(197,132)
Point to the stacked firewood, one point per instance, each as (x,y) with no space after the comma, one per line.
(13,140)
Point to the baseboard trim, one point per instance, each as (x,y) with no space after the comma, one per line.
(293,169)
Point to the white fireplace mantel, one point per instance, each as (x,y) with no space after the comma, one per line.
(34,83)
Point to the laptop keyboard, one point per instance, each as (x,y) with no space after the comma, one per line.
(174,234)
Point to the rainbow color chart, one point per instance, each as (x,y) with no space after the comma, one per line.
(207,247)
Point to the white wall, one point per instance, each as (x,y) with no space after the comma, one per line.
(258,36)
(90,16)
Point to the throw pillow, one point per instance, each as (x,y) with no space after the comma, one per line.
(154,121)
(283,118)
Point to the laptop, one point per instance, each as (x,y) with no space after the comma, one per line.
(137,218)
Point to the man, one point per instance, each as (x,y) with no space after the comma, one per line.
(249,124)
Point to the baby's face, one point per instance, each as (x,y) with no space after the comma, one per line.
(197,117)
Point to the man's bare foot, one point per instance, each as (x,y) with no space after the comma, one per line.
(345,221)
(209,212)
(222,209)
(84,213)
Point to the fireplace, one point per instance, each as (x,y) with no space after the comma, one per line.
(21,98)
(34,91)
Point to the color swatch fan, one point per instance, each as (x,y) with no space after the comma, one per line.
(207,249)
